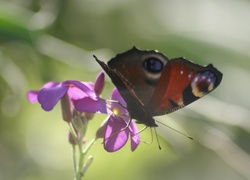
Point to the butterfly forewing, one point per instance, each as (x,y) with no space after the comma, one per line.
(130,67)
(134,104)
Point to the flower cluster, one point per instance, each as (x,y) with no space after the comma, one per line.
(79,102)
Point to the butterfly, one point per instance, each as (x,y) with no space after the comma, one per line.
(153,85)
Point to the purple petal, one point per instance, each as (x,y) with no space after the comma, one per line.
(117,105)
(75,93)
(92,106)
(50,84)
(89,91)
(90,85)
(135,137)
(99,83)
(32,96)
(114,138)
(48,97)
(117,97)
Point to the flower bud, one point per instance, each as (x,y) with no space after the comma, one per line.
(71,139)
(80,124)
(99,83)
(66,111)
(87,164)
(89,116)
(100,131)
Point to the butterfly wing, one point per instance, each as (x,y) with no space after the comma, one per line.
(130,67)
(134,104)
(183,82)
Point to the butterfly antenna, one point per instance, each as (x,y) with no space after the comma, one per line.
(141,130)
(189,137)
(157,139)
(118,102)
(152,139)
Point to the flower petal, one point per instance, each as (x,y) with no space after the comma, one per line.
(135,137)
(48,97)
(117,97)
(51,84)
(117,106)
(90,92)
(32,96)
(75,93)
(114,138)
(91,106)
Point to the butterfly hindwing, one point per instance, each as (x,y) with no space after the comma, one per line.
(187,82)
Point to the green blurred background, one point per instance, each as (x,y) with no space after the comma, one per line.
(54,40)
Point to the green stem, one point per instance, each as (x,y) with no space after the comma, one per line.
(82,165)
(73,133)
(80,162)
(74,160)
(90,144)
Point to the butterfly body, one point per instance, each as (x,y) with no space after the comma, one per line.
(152,85)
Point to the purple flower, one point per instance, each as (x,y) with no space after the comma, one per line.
(84,97)
(116,133)
(52,92)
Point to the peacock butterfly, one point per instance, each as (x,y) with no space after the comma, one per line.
(153,85)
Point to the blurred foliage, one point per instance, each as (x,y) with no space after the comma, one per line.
(53,40)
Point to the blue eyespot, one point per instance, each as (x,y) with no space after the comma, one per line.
(153,65)
(203,83)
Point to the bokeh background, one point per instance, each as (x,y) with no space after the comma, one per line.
(54,40)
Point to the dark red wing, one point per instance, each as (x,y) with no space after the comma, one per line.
(134,104)
(181,83)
